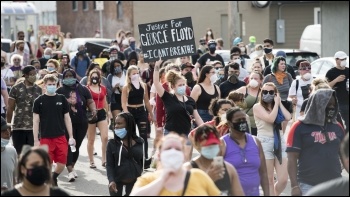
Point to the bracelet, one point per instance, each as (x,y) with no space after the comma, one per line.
(295,187)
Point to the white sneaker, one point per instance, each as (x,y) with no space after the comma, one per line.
(75,173)
(71,177)
(53,167)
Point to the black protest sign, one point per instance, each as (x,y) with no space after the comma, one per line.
(167,39)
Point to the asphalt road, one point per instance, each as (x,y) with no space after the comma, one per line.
(93,182)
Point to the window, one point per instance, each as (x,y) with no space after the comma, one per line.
(85,6)
(317,15)
(75,5)
(119,10)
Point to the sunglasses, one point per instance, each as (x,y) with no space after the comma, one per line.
(271,92)
(305,66)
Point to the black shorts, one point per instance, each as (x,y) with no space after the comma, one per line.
(101,115)
(118,103)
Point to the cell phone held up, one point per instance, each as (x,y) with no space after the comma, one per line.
(218,161)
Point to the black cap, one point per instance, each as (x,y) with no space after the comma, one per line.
(26,70)
(183,66)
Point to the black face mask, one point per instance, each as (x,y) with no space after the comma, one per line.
(212,50)
(241,126)
(189,77)
(330,114)
(38,175)
(95,80)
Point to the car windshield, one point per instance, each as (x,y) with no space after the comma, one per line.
(5,46)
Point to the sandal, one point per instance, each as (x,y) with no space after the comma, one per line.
(104,164)
(92,165)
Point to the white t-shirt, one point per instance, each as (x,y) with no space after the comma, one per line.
(6,73)
(298,93)
(153,99)
(120,80)
(243,73)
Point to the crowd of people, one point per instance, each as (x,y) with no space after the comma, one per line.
(237,120)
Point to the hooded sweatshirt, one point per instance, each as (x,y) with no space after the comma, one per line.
(317,141)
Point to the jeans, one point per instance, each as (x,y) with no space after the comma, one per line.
(304,188)
(141,119)
(204,114)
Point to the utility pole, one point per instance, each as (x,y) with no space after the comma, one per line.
(100,7)
(233,21)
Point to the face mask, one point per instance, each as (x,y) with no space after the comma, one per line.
(209,33)
(210,152)
(223,117)
(242,49)
(330,114)
(212,50)
(47,56)
(213,79)
(51,89)
(2,64)
(267,50)
(181,90)
(118,70)
(31,79)
(50,68)
(343,63)
(172,159)
(189,77)
(220,76)
(253,83)
(135,78)
(132,45)
(238,61)
(38,175)
(69,81)
(95,80)
(4,142)
(268,98)
(121,133)
(307,76)
(241,127)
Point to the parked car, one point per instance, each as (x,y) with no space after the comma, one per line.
(310,40)
(225,54)
(74,43)
(320,66)
(5,46)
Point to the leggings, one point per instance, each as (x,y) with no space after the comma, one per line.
(128,188)
(141,119)
(79,132)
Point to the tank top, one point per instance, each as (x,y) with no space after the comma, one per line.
(250,100)
(246,161)
(99,96)
(264,128)
(223,184)
(136,95)
(204,98)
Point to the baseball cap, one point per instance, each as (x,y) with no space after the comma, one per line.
(26,70)
(113,49)
(281,53)
(340,55)
(252,39)
(210,140)
(183,66)
(4,125)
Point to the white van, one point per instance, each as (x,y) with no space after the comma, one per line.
(311,39)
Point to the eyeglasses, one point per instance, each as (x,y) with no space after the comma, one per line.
(271,92)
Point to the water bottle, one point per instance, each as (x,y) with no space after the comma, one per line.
(72,146)
(347,84)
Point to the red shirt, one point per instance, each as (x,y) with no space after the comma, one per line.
(160,111)
(99,98)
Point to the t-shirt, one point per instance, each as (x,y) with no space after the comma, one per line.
(6,74)
(8,166)
(340,87)
(51,124)
(3,87)
(318,159)
(226,87)
(303,87)
(77,100)
(24,98)
(209,58)
(199,184)
(54,191)
(17,71)
(80,65)
(335,187)
(120,80)
(283,89)
(177,118)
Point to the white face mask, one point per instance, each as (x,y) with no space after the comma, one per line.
(213,78)
(172,159)
(253,83)
(209,33)
(238,61)
(343,63)
(223,117)
(307,76)
(242,49)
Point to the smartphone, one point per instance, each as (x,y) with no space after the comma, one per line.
(218,161)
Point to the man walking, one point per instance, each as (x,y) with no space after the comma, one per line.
(51,111)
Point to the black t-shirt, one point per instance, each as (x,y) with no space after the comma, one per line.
(226,87)
(335,187)
(340,87)
(51,110)
(177,118)
(78,96)
(207,57)
(54,191)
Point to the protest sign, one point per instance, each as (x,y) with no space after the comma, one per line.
(167,39)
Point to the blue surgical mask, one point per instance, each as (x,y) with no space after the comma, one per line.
(211,151)
(47,56)
(51,89)
(50,69)
(181,90)
(121,133)
(69,81)
(4,142)
(132,45)
(118,70)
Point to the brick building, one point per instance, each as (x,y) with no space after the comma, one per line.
(82,19)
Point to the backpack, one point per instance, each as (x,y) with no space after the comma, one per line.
(86,58)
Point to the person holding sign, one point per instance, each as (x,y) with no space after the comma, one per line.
(181,110)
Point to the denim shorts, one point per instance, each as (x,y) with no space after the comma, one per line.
(304,188)
(204,114)
(267,146)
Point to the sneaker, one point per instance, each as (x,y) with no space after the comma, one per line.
(75,174)
(71,177)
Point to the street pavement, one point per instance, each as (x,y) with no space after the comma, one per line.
(94,182)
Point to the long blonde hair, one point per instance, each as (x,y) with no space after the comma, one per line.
(128,81)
